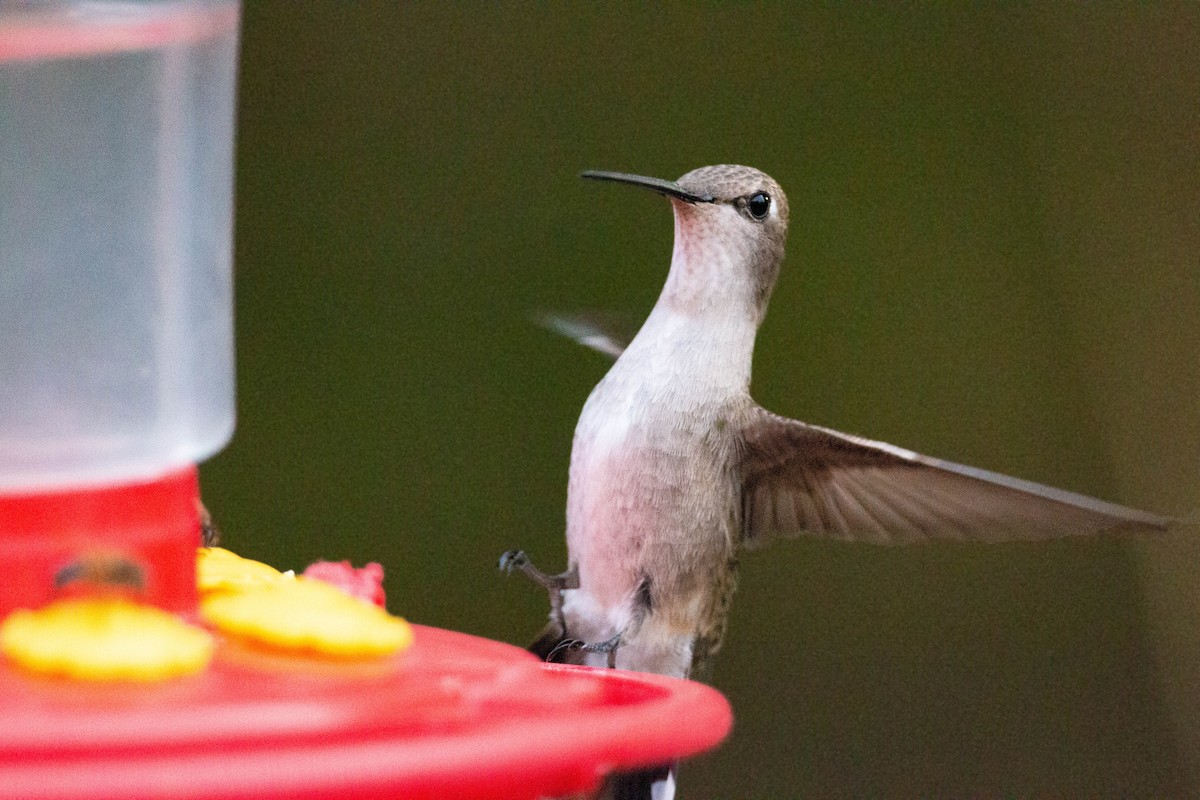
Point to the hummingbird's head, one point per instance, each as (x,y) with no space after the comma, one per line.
(730,231)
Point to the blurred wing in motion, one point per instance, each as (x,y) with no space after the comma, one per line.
(802,480)
(609,334)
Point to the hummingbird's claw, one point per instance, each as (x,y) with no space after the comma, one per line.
(565,646)
(608,646)
(512,559)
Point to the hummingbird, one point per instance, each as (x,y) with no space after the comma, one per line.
(675,469)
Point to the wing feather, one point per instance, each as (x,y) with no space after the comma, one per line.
(801,479)
(605,333)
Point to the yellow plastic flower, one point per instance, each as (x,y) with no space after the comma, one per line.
(104,638)
(305,614)
(218,568)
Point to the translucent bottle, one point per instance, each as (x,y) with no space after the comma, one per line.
(116,217)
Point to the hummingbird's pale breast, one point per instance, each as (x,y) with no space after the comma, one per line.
(652,510)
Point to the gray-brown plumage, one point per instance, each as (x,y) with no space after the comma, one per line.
(801,480)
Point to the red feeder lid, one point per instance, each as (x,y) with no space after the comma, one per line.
(452,716)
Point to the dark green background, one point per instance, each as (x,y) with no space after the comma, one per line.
(993,259)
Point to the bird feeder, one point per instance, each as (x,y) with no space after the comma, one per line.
(116,379)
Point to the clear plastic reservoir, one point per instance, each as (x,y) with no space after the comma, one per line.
(116,217)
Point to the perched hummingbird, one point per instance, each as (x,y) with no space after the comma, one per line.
(675,468)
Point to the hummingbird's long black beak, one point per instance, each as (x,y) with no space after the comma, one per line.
(669,188)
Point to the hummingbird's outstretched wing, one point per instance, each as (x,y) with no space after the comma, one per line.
(803,480)
(605,333)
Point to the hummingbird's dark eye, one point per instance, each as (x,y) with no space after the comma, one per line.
(758,205)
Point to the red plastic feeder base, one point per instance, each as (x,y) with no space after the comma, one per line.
(153,523)
(454,716)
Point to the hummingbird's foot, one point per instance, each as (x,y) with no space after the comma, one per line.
(517,560)
(608,646)
(554,585)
